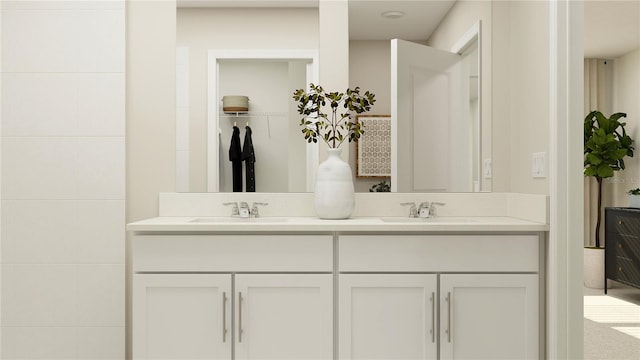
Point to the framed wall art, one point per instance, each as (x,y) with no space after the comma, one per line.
(373,149)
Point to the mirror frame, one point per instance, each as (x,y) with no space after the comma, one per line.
(213,103)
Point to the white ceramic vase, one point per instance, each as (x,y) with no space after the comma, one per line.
(594,268)
(634,201)
(334,196)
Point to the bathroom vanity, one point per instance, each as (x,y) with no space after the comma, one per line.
(284,287)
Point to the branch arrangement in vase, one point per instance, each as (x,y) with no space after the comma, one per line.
(332,127)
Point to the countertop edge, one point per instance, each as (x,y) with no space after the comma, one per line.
(184,224)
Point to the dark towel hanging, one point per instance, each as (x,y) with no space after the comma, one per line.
(249,157)
(235,156)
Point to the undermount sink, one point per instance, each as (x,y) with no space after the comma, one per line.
(223,220)
(436,220)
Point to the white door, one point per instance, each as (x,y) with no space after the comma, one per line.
(431,144)
(489,316)
(285,317)
(388,317)
(181,316)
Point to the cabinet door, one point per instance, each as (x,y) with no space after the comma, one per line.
(489,316)
(284,316)
(388,316)
(181,316)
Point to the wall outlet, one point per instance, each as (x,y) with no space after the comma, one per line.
(487,171)
(539,165)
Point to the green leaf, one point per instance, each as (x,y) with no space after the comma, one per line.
(593,159)
(591,171)
(604,171)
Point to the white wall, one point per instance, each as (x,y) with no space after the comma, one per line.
(462,16)
(200,30)
(63,180)
(370,69)
(626,92)
(515,84)
(521,93)
(151,104)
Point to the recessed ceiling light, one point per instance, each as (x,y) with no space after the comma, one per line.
(392,14)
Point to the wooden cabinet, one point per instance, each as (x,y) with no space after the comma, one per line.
(191,313)
(490,312)
(388,316)
(181,316)
(489,316)
(288,317)
(622,245)
(400,296)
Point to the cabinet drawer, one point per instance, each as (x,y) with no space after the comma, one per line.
(624,222)
(624,270)
(438,253)
(627,247)
(230,253)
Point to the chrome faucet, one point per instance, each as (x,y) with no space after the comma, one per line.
(254,209)
(433,209)
(244,210)
(234,208)
(413,212)
(424,210)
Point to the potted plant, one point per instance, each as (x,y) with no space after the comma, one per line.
(334,193)
(382,186)
(634,198)
(606,143)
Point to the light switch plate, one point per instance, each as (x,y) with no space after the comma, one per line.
(487,171)
(539,165)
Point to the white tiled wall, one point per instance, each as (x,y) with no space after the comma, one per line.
(62,159)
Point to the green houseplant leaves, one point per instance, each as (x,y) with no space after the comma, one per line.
(606,143)
(339,127)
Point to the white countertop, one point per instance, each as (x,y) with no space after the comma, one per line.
(355,224)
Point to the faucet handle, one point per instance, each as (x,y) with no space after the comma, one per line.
(433,209)
(424,210)
(254,208)
(244,210)
(413,211)
(234,209)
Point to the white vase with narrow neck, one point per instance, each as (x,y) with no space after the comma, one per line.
(334,196)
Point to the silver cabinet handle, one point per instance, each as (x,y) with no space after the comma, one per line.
(224,317)
(239,316)
(433,317)
(448,317)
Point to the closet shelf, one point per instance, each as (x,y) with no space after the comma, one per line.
(250,114)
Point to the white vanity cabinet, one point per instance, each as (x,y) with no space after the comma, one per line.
(232,297)
(489,316)
(385,316)
(336,294)
(470,296)
(287,317)
(181,316)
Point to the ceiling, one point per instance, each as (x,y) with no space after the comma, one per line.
(247,3)
(611,28)
(420,19)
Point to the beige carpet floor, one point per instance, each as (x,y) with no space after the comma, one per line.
(612,323)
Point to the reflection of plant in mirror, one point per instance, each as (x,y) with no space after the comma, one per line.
(334,131)
(381,187)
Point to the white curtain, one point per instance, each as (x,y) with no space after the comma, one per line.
(597,96)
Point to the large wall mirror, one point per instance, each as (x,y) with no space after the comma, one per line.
(441,142)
